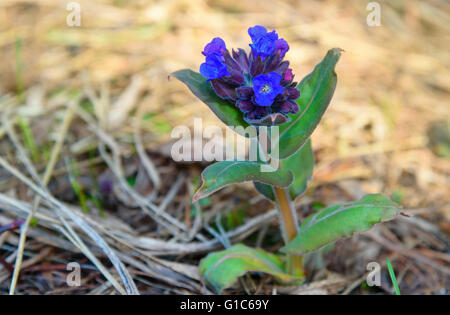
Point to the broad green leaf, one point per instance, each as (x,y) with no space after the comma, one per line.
(223,173)
(222,269)
(340,221)
(316,91)
(301,165)
(227,113)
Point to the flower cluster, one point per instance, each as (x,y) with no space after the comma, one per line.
(260,83)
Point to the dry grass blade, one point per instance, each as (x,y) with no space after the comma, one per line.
(114,164)
(46,178)
(152,172)
(120,110)
(122,271)
(23,156)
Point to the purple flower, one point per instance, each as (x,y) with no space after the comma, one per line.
(266,88)
(216,46)
(260,83)
(213,67)
(12,226)
(288,76)
(106,185)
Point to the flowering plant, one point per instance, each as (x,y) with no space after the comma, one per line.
(257,90)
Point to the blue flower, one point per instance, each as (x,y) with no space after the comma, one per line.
(256,32)
(216,46)
(265,43)
(213,67)
(266,88)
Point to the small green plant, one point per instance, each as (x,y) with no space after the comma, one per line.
(393,278)
(28,139)
(257,90)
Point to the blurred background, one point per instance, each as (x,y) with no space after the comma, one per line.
(387,130)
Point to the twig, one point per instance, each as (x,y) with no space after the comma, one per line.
(160,247)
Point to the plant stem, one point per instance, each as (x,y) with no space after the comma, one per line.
(289,228)
(288,216)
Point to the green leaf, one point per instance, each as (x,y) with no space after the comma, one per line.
(223,173)
(227,113)
(340,221)
(265,190)
(316,91)
(301,165)
(222,269)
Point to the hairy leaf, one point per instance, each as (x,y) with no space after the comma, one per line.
(223,173)
(340,221)
(222,269)
(316,91)
(227,113)
(301,165)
